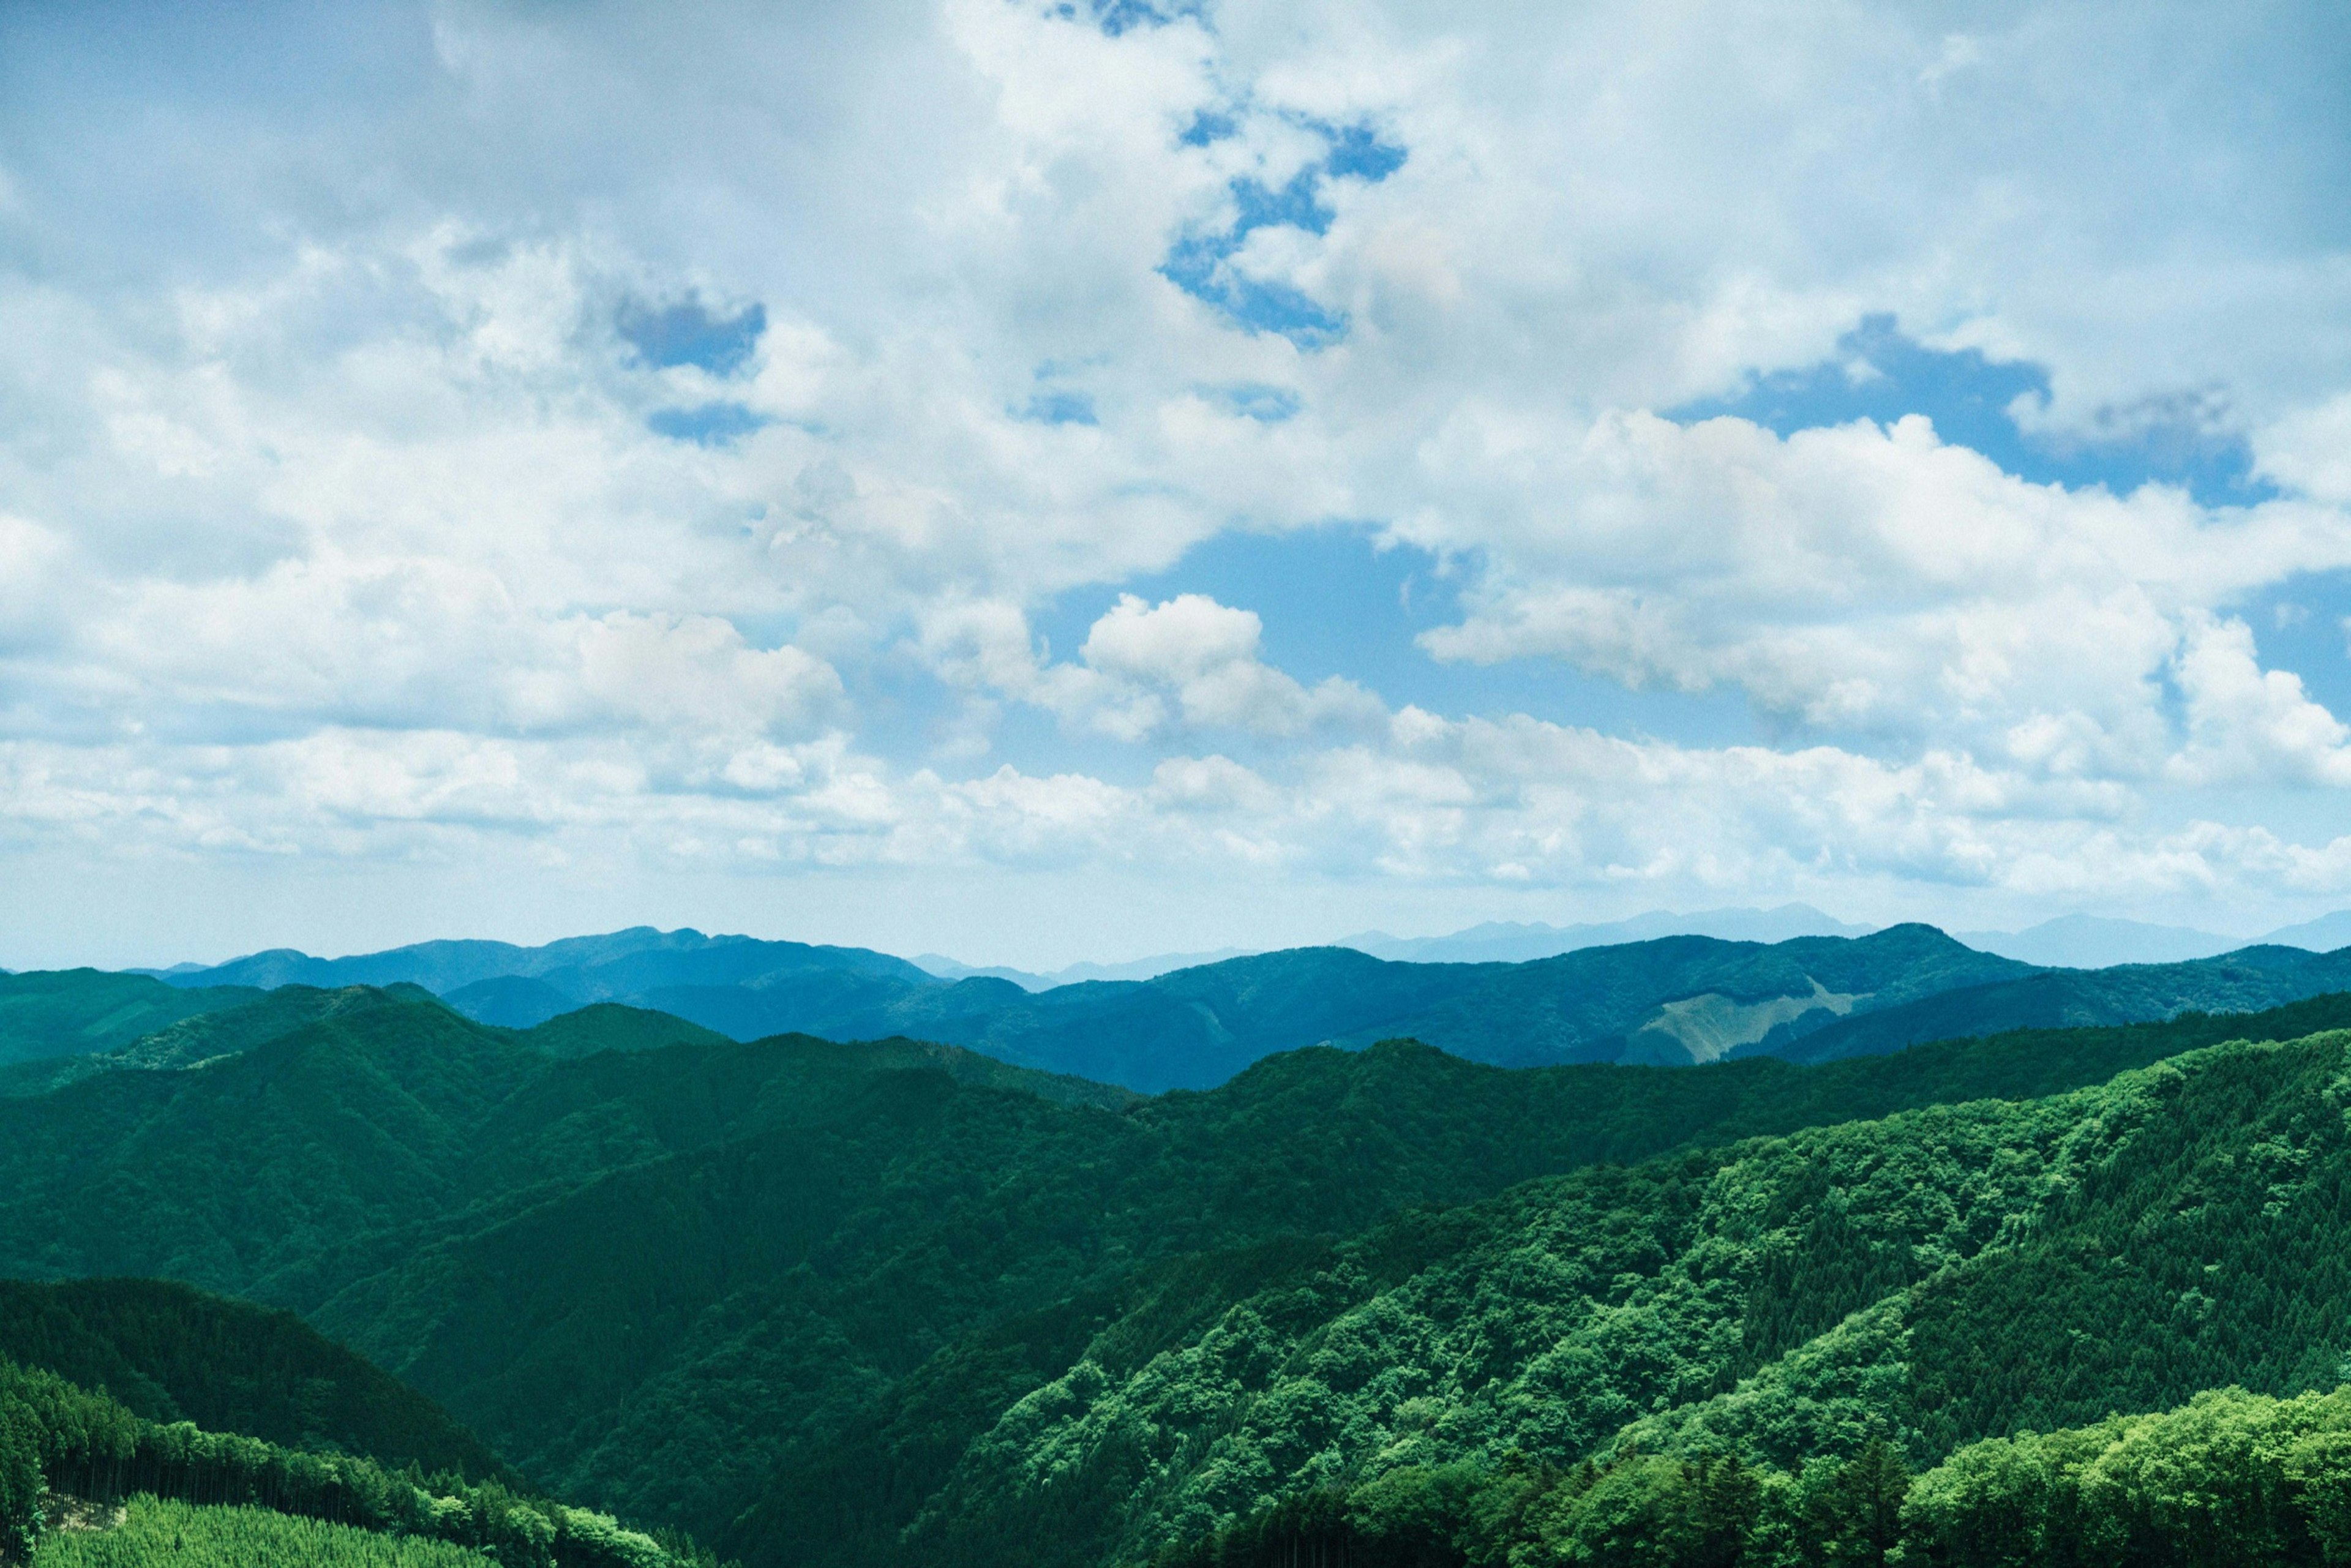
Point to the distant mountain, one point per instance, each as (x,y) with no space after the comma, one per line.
(1515,942)
(586,968)
(1663,1001)
(2247,980)
(2090,942)
(511,1001)
(1675,1001)
(2324,934)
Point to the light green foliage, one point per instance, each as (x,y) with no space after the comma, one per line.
(2231,1478)
(155,1534)
(1867,1295)
(57,1441)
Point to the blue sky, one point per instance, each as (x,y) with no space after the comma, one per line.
(1044,482)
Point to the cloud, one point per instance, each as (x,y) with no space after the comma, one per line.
(1194,661)
(686,486)
(1857,581)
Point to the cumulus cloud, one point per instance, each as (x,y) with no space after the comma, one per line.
(1194,662)
(1858,580)
(346,511)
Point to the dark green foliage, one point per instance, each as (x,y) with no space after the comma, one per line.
(207,1036)
(171,1352)
(869,1299)
(2227,1480)
(1829,1308)
(71,1012)
(2230,1479)
(609,1026)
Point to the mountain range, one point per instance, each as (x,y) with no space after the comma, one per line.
(1672,1000)
(898,1303)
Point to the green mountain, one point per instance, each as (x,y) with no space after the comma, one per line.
(171,1352)
(806,1285)
(84,1479)
(184,1535)
(1846,1304)
(67,1012)
(207,1036)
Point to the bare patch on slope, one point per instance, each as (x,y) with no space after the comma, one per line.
(1705,1028)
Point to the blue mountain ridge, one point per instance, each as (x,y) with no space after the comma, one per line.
(1667,1001)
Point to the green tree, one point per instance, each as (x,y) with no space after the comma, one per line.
(1855,1513)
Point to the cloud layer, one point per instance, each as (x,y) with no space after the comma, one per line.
(636,456)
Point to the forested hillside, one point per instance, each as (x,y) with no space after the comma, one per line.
(70,1459)
(1923,1282)
(171,1352)
(687,1281)
(64,1012)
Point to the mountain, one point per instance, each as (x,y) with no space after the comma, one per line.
(1743,1353)
(806,1278)
(64,1012)
(1674,1000)
(609,1026)
(205,1038)
(2324,934)
(585,968)
(511,1001)
(1667,1001)
(1671,1000)
(1513,942)
(87,1482)
(171,1352)
(2246,980)
(2088,941)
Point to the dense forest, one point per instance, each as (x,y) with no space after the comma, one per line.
(900,1303)
(69,1456)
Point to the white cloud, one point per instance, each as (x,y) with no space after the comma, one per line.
(1193,660)
(2310,450)
(1857,581)
(2247,722)
(331,522)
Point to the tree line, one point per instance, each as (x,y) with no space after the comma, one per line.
(58,1438)
(2230,1479)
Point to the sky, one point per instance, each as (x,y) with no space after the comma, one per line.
(1067,481)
